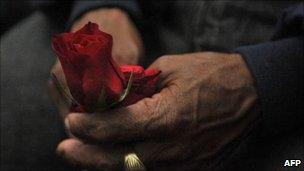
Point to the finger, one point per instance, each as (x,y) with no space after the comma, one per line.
(165,155)
(60,101)
(168,67)
(61,104)
(152,152)
(90,156)
(58,71)
(148,118)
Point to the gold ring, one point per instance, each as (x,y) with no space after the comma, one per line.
(132,163)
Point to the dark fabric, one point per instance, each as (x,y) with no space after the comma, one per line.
(16,12)
(30,126)
(81,7)
(290,23)
(193,26)
(56,11)
(278,67)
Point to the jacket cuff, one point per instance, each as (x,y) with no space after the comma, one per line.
(81,7)
(278,70)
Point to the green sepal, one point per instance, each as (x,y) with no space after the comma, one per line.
(126,91)
(66,95)
(102,104)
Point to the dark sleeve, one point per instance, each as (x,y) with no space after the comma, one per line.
(56,11)
(80,7)
(277,67)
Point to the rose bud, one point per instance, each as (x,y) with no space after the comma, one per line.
(94,79)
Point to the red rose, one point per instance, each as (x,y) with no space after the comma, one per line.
(89,69)
(143,85)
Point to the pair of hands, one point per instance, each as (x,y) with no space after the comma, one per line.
(206,101)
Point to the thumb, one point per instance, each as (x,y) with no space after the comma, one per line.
(166,65)
(61,103)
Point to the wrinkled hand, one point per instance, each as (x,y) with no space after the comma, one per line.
(206,102)
(127,45)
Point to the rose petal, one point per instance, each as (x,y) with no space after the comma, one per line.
(100,73)
(138,71)
(73,78)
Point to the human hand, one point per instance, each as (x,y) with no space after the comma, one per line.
(127,46)
(127,42)
(206,102)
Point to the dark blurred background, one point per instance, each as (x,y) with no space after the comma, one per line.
(12,12)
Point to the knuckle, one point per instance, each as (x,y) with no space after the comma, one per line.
(164,62)
(99,131)
(91,128)
(80,126)
(164,59)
